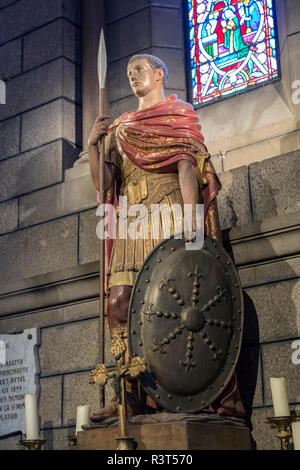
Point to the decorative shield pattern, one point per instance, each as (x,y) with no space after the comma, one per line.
(186,319)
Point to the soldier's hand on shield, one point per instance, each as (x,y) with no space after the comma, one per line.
(190,229)
(99,129)
(190,238)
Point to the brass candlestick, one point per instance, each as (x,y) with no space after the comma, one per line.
(283,425)
(32,444)
(132,369)
(126,443)
(72,441)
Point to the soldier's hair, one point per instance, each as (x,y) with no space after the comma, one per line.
(154,62)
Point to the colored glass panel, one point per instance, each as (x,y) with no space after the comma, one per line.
(232,46)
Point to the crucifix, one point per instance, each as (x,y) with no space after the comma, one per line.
(133,369)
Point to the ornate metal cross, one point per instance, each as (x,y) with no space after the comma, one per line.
(132,369)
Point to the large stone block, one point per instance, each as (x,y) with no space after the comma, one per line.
(234,199)
(281,24)
(10,59)
(70,284)
(57,439)
(55,120)
(275,186)
(278,309)
(120,43)
(38,250)
(10,442)
(66,198)
(291,59)
(292,17)
(27,15)
(273,238)
(265,437)
(59,78)
(35,169)
(277,362)
(178,433)
(5,3)
(217,162)
(69,347)
(50,401)
(54,40)
(72,43)
(164,23)
(273,271)
(82,310)
(71,9)
(259,150)
(88,240)
(149,27)
(9,216)
(246,117)
(118,8)
(10,135)
(54,316)
(77,392)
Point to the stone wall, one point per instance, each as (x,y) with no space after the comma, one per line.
(48,245)
(40,130)
(155,28)
(264,122)
(64,304)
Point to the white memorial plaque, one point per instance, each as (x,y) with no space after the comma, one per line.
(19,374)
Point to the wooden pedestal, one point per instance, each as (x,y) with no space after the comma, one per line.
(181,435)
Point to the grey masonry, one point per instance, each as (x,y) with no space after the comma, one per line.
(48,246)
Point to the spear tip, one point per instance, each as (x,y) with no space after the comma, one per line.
(102,61)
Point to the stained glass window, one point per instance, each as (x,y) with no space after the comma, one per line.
(233,47)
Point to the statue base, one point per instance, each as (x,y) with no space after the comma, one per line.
(168,431)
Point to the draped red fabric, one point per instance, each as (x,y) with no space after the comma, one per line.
(156,139)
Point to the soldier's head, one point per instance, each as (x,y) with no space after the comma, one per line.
(146,72)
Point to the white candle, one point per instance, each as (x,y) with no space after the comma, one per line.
(296,434)
(32,417)
(279,397)
(83,415)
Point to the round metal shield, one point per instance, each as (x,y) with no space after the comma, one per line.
(186,319)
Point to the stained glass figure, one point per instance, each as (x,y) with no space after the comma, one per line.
(233,47)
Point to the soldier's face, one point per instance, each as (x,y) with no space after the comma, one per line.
(142,78)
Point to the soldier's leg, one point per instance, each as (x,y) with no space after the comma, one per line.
(118,303)
(118,313)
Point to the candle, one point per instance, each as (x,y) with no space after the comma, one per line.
(279,397)
(31,417)
(296,434)
(83,414)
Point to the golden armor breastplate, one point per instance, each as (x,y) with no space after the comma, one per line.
(143,187)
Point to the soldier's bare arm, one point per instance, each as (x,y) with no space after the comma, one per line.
(189,186)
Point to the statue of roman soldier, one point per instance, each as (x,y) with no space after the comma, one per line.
(154,155)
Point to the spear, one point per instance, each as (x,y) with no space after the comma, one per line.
(102,69)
